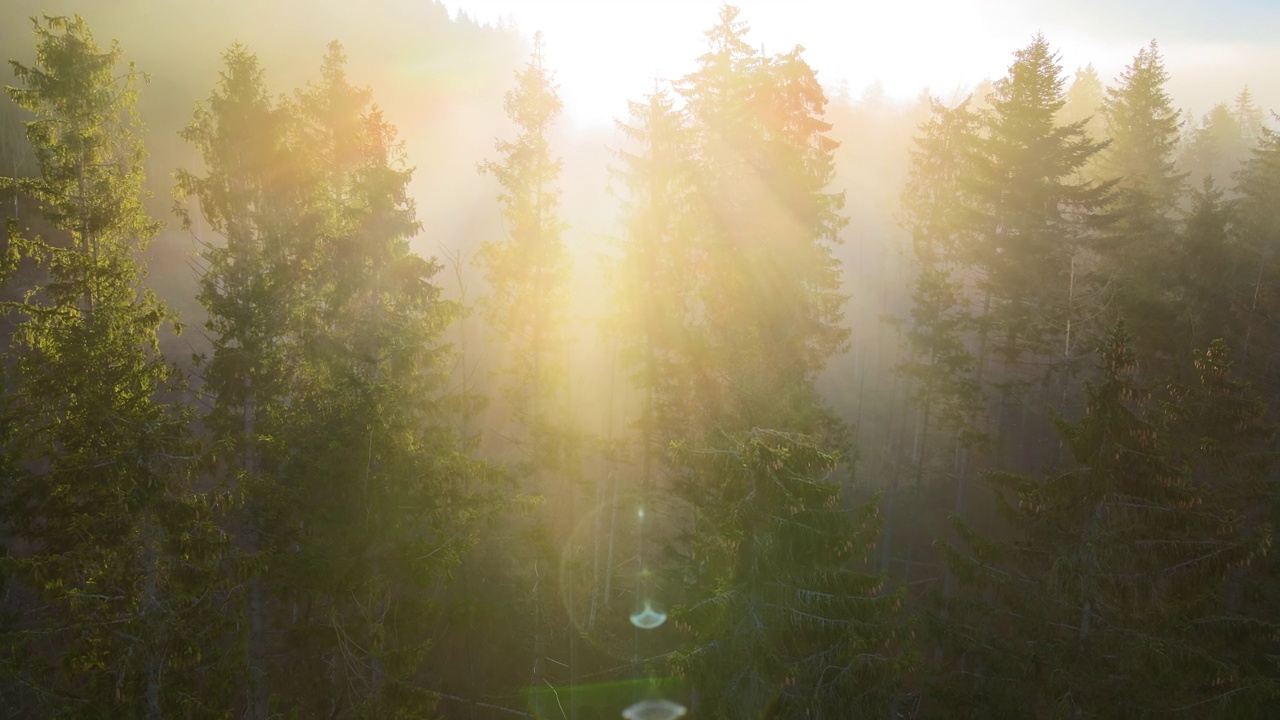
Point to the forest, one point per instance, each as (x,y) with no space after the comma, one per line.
(339,382)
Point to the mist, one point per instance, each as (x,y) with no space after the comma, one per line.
(554,359)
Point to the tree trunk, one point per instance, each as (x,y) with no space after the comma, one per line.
(256,648)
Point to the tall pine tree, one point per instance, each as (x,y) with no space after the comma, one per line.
(1143,129)
(379,527)
(1101,599)
(251,195)
(121,553)
(527,271)
(768,288)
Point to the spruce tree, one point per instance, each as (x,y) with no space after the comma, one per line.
(1143,130)
(1037,217)
(1249,118)
(942,370)
(1037,213)
(122,554)
(654,278)
(1208,266)
(1215,147)
(770,579)
(1101,600)
(766,221)
(783,619)
(1085,100)
(378,483)
(527,272)
(1258,221)
(251,196)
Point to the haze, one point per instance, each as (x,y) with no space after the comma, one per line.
(567,360)
(609,52)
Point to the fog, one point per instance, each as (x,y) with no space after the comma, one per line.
(856,386)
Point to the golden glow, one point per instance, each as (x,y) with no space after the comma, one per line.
(608,52)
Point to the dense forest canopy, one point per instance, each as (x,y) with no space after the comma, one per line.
(353,368)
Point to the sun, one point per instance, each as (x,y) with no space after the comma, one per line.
(606,53)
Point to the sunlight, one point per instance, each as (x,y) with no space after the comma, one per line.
(679,416)
(856,45)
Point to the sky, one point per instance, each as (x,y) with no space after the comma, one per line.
(606,52)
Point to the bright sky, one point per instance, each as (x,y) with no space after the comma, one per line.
(608,51)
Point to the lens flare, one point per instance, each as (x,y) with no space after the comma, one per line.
(654,710)
(648,618)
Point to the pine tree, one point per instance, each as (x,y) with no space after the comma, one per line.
(768,286)
(1037,219)
(653,273)
(1258,224)
(1101,601)
(251,195)
(1143,129)
(122,555)
(1215,147)
(782,617)
(379,526)
(527,273)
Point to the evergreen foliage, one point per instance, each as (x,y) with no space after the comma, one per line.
(654,272)
(767,292)
(1101,600)
(1258,222)
(783,618)
(527,271)
(305,528)
(123,556)
(1085,100)
(252,198)
(1038,214)
(1143,130)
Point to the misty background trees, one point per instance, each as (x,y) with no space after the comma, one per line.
(772,402)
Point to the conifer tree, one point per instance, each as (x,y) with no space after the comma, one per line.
(1102,600)
(777,604)
(1208,266)
(942,370)
(1225,436)
(783,618)
(1085,100)
(1258,219)
(120,552)
(379,526)
(1215,147)
(1249,118)
(1037,217)
(654,278)
(766,221)
(527,272)
(1037,214)
(1143,126)
(1143,130)
(251,196)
